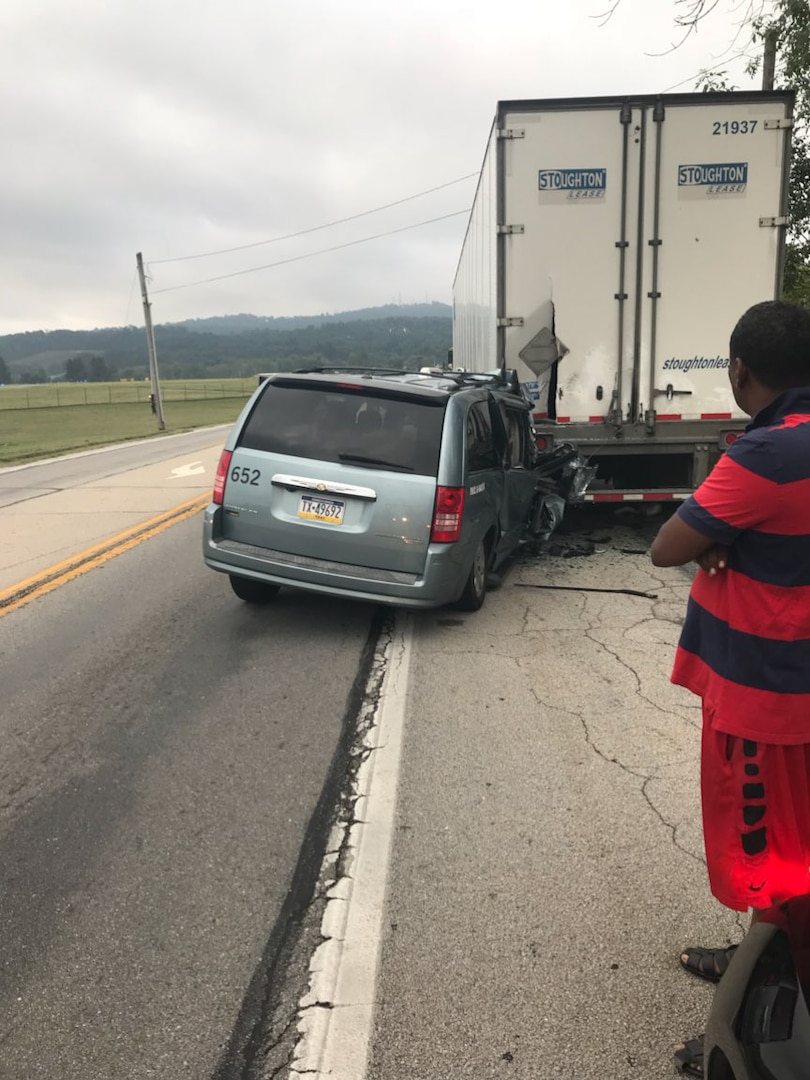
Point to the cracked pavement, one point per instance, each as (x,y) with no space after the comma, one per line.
(548,860)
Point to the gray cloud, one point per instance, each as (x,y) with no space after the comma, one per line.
(185,127)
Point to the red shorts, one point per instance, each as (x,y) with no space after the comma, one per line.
(756,819)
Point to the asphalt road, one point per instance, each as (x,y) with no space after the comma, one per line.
(168,754)
(165,748)
(526,862)
(548,863)
(22,483)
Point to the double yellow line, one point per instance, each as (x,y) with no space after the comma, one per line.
(60,573)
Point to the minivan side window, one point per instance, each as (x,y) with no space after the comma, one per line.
(481,452)
(516,436)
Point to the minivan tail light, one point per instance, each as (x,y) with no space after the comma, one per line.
(448,515)
(222,476)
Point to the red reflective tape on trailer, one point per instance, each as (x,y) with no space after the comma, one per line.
(596,419)
(715,416)
(563,419)
(668,416)
(656,496)
(609,496)
(540,415)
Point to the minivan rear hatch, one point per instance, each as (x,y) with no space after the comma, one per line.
(337,471)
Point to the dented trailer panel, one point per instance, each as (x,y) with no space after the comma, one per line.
(611,247)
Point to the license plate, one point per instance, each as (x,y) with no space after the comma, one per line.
(315,509)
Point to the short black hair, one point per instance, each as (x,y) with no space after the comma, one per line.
(773,340)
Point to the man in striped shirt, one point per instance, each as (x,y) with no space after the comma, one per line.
(745,645)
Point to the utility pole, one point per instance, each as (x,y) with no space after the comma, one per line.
(769,59)
(157,403)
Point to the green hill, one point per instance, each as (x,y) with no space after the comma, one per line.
(406,335)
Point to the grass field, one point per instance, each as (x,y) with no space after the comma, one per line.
(27,434)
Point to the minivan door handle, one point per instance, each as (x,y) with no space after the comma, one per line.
(322,486)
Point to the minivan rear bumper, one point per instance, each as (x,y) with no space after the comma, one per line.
(442,581)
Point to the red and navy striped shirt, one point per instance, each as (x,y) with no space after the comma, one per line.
(745,645)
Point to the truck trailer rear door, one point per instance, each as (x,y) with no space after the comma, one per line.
(570,182)
(715,222)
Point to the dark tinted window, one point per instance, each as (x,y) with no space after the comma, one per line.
(517,436)
(481,452)
(326,424)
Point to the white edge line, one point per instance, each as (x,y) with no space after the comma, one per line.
(336,1017)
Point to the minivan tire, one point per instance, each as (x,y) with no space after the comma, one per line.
(475,589)
(252,591)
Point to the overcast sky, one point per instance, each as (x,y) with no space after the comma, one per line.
(178,127)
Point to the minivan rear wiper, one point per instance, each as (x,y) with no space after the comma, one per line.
(361,460)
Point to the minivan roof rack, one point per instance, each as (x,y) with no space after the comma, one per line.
(350,369)
(502,377)
(505,377)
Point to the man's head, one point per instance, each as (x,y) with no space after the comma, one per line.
(769,353)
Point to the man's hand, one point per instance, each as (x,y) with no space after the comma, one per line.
(714,560)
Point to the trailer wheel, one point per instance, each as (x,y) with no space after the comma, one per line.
(475,588)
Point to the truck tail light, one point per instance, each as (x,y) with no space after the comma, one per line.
(730,437)
(222,476)
(448,515)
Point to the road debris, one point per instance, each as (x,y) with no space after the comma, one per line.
(586,588)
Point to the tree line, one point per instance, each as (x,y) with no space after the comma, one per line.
(81,369)
(100,355)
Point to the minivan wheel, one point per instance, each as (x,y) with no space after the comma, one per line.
(475,589)
(252,591)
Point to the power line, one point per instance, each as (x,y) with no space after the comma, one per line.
(315,228)
(310,255)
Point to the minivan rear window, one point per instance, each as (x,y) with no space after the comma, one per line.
(333,424)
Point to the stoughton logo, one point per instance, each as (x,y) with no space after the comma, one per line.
(574,183)
(696,363)
(715,179)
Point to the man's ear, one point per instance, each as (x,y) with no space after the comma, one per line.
(739,373)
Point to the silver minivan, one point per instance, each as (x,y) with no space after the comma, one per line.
(398,488)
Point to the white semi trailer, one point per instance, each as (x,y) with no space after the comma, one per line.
(612,245)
